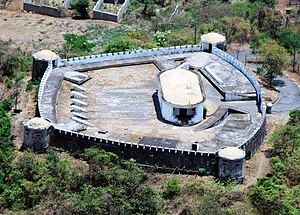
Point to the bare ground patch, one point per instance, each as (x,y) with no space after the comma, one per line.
(33,32)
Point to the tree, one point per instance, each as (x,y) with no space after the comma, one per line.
(275,59)
(171,188)
(245,9)
(269,21)
(271,196)
(294,117)
(270,3)
(235,29)
(204,11)
(81,7)
(284,140)
(290,39)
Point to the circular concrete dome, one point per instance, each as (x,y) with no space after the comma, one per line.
(213,38)
(231,153)
(46,55)
(37,123)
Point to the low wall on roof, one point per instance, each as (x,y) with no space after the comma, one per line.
(42,87)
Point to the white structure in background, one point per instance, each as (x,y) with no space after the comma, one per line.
(231,163)
(181,96)
(212,40)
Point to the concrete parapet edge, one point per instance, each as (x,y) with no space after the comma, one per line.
(130,54)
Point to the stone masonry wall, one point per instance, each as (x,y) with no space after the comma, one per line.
(130,54)
(165,158)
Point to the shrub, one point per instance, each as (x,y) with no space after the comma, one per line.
(76,45)
(294,117)
(8,83)
(171,188)
(81,7)
(121,44)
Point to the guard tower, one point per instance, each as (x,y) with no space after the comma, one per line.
(37,132)
(41,61)
(211,40)
(231,164)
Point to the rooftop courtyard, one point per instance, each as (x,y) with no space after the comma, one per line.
(121,98)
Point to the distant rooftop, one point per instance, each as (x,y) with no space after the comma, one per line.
(181,87)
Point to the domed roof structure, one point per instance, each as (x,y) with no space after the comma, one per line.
(213,37)
(37,123)
(232,153)
(46,55)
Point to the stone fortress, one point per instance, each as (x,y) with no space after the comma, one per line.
(186,108)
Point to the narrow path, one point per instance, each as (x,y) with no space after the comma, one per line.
(289,97)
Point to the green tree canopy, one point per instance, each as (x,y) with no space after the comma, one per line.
(290,39)
(121,44)
(275,59)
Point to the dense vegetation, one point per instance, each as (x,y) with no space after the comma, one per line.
(13,62)
(98,183)
(278,193)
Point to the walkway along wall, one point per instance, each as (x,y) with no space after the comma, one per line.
(241,67)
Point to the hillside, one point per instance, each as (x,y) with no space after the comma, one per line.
(264,34)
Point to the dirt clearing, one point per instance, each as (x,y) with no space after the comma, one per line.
(33,32)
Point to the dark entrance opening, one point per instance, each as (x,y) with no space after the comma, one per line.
(210,48)
(184,115)
(220,46)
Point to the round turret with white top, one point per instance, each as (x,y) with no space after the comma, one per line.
(212,39)
(231,163)
(37,132)
(41,61)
